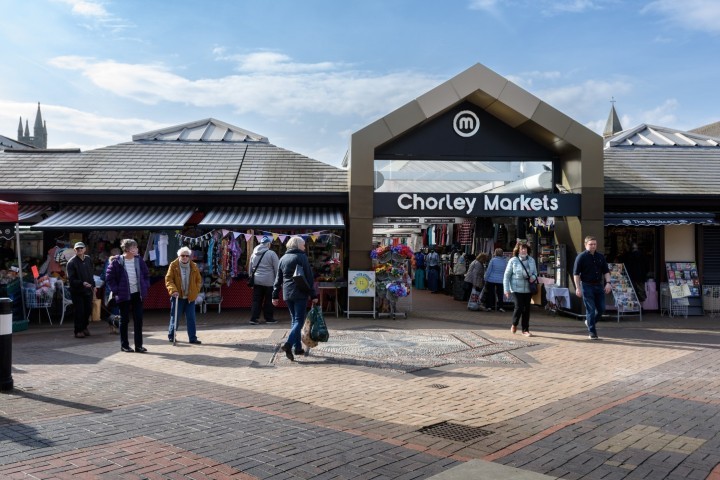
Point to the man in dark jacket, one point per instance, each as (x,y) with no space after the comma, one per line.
(82,289)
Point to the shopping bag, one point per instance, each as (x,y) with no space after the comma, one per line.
(305,332)
(318,329)
(474,302)
(96,305)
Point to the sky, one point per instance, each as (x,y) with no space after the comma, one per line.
(309,73)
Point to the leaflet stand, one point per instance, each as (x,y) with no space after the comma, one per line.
(623,292)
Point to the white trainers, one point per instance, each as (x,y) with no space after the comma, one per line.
(593,337)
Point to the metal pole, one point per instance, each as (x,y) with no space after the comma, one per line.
(6,380)
(20,270)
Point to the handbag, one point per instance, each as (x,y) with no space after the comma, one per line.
(533,285)
(300,280)
(251,278)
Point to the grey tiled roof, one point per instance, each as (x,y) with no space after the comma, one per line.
(632,170)
(711,130)
(172,166)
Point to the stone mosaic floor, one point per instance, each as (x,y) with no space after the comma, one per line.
(410,351)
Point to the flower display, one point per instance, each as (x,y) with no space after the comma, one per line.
(397,289)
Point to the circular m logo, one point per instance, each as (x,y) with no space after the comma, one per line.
(466,123)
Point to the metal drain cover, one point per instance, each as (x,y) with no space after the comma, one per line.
(455,432)
(438,385)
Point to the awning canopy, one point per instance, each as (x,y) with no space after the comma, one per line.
(8,211)
(276,217)
(29,211)
(117,217)
(654,219)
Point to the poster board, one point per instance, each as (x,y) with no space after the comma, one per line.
(683,279)
(623,292)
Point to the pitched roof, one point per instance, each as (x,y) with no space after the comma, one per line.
(650,135)
(638,170)
(711,130)
(7,143)
(204,156)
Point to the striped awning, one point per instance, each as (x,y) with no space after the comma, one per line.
(28,211)
(655,219)
(277,217)
(115,217)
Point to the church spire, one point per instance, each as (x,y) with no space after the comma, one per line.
(39,137)
(613,122)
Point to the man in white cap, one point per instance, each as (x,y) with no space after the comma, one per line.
(82,289)
(263,268)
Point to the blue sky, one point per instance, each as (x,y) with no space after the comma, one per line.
(308,73)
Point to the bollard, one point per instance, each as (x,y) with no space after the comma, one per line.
(6,380)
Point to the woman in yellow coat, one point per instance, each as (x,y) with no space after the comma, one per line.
(183,282)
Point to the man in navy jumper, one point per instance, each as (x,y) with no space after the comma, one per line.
(592,283)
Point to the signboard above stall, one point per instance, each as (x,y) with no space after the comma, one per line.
(477,205)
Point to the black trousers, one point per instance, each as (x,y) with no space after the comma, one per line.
(82,306)
(134,306)
(521,314)
(493,295)
(262,299)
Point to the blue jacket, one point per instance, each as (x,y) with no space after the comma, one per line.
(496,269)
(286,271)
(515,279)
(116,278)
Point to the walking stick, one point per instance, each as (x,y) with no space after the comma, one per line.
(175,320)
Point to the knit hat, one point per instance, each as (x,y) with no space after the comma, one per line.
(265,239)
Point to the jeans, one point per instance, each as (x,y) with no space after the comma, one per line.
(262,298)
(188,308)
(521,314)
(594,299)
(135,305)
(298,309)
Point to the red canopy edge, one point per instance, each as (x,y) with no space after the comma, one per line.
(8,211)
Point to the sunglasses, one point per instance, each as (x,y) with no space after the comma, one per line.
(184,255)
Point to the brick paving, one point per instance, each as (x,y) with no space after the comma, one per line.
(643,402)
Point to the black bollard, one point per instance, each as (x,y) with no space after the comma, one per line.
(6,380)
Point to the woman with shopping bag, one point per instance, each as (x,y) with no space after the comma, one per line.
(296,281)
(475,281)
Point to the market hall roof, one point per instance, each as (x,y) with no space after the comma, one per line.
(648,161)
(202,156)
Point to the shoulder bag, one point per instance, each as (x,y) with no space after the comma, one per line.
(300,280)
(251,278)
(533,285)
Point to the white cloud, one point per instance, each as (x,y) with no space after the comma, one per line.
(96,16)
(489,5)
(76,128)
(272,85)
(702,15)
(662,115)
(86,8)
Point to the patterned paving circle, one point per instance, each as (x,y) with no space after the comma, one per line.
(409,351)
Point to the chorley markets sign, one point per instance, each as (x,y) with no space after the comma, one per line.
(477,205)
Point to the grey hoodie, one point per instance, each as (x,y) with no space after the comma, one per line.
(267,269)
